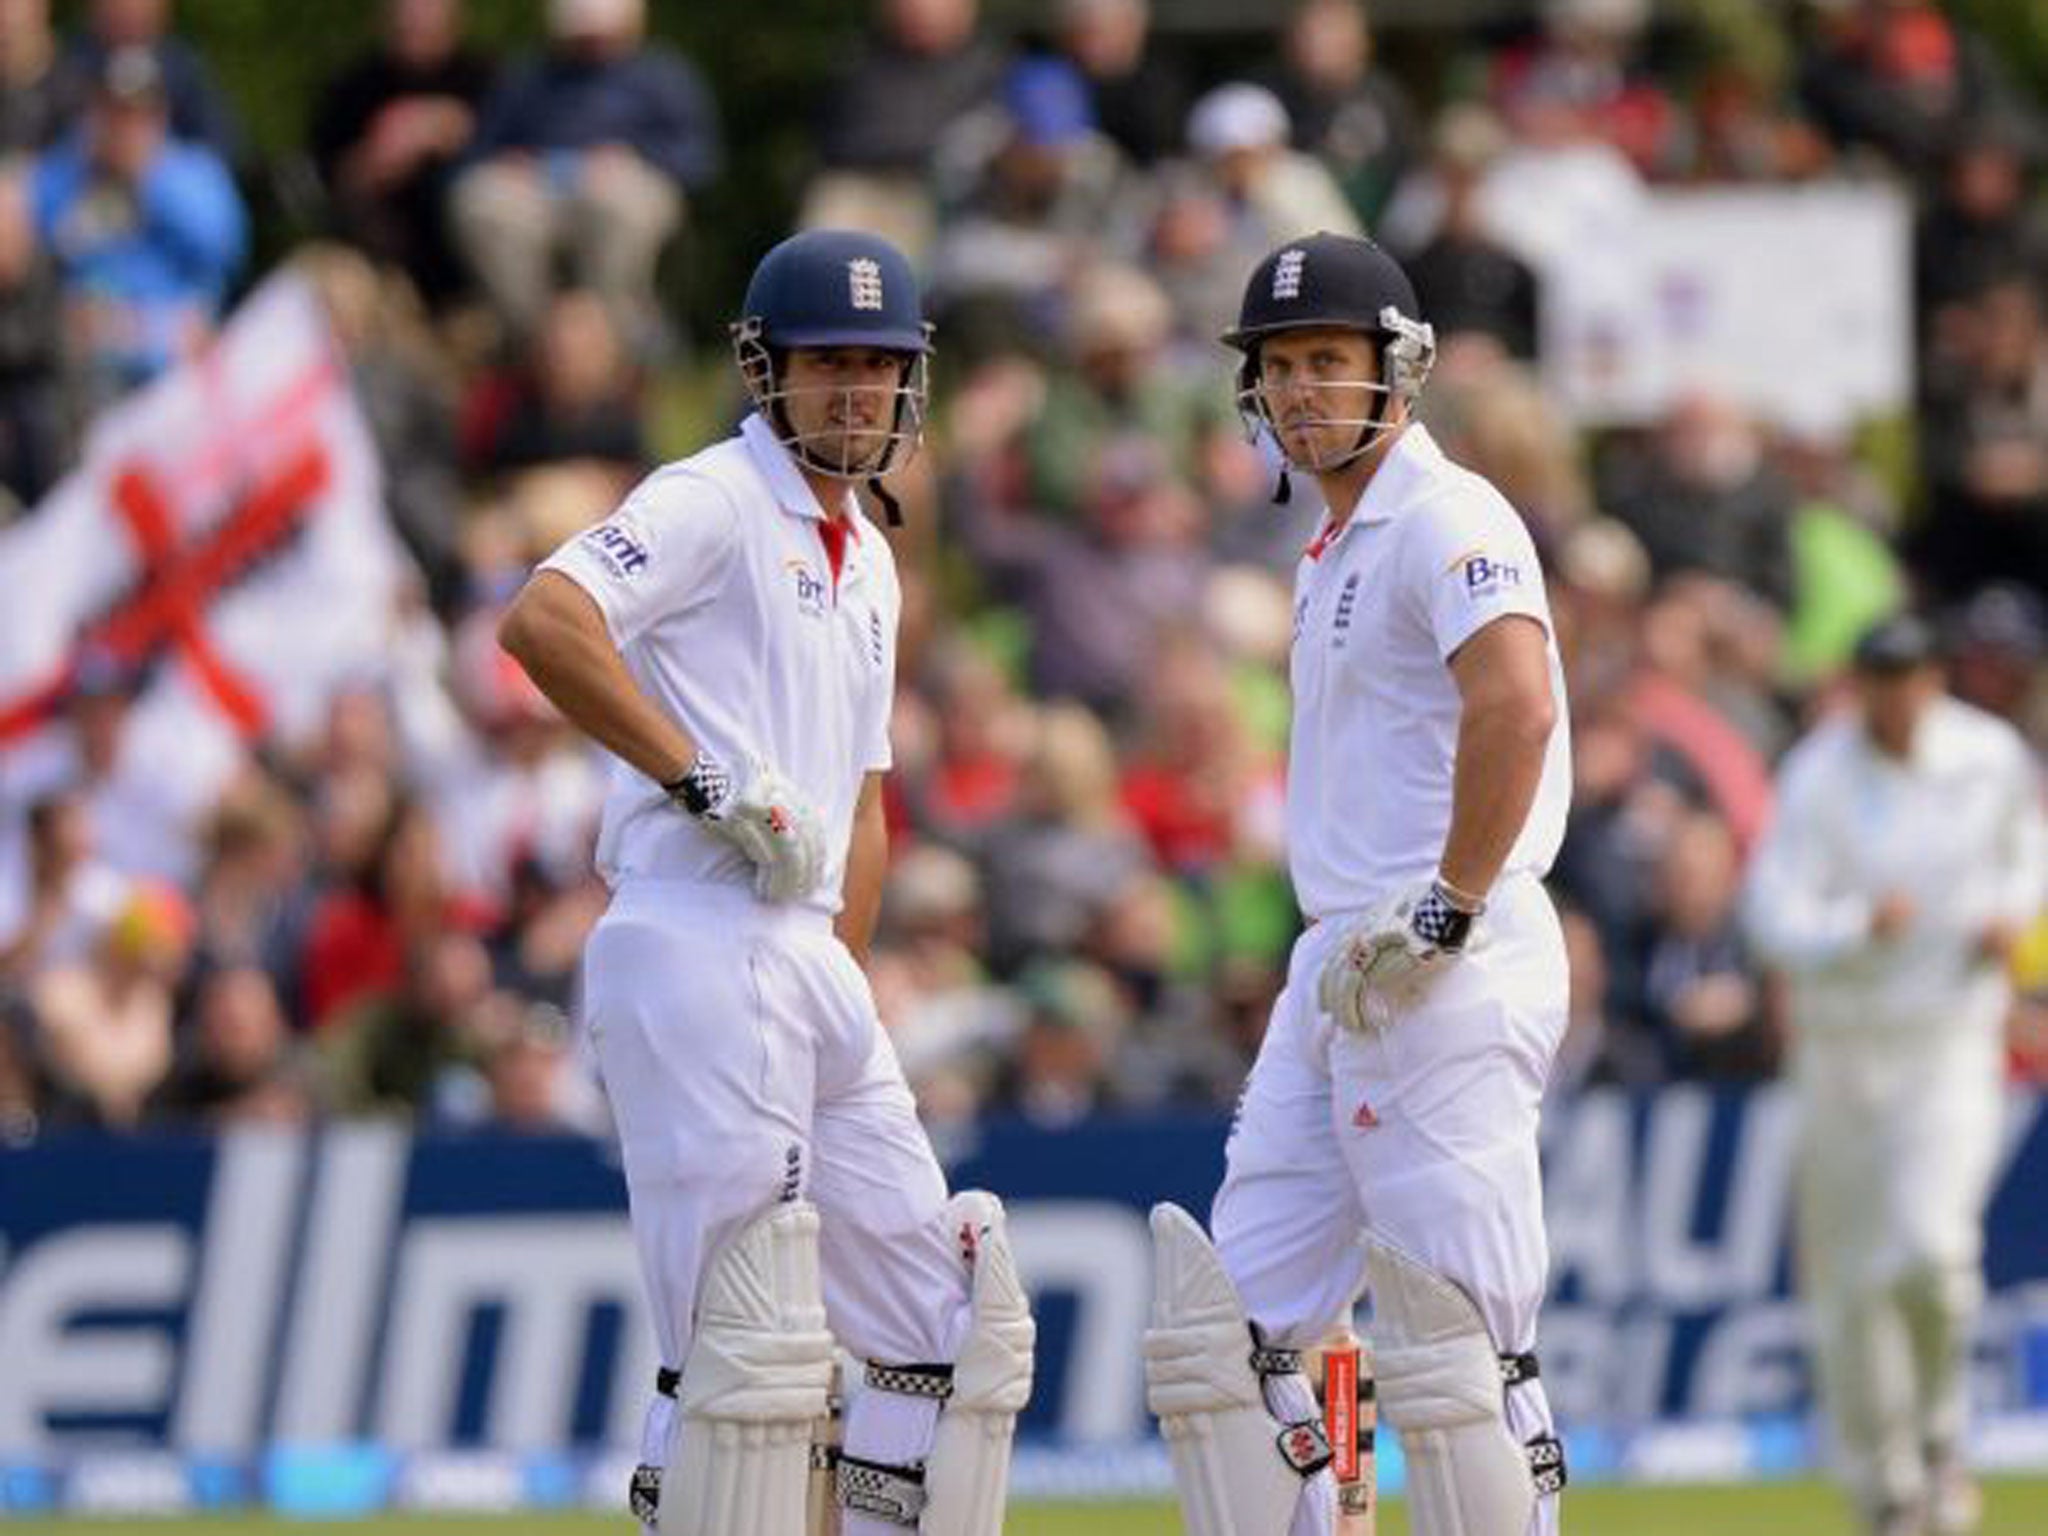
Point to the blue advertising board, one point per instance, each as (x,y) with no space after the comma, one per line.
(356,1285)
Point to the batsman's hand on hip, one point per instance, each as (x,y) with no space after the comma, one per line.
(761,814)
(1391,956)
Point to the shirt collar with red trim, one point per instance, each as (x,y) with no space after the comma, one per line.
(1414,454)
(792,492)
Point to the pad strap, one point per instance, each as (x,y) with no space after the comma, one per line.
(1546,1465)
(1516,1369)
(1546,1452)
(887,1492)
(1268,1361)
(930,1381)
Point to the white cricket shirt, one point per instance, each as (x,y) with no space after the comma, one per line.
(1431,554)
(715,581)
(1957,827)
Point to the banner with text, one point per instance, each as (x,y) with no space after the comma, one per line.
(359,1285)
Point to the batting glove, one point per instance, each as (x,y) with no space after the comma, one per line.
(1390,957)
(761,814)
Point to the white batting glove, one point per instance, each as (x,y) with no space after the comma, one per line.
(1387,960)
(760,813)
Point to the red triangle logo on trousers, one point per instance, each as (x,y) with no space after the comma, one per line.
(1365,1119)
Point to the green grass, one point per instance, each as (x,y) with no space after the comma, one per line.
(2015,1507)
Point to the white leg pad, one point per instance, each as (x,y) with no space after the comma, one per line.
(821,1497)
(968,1475)
(1440,1386)
(754,1385)
(1239,1470)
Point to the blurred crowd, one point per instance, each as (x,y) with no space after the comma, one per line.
(1087,907)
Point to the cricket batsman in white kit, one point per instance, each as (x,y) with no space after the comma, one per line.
(1905,855)
(729,635)
(1387,1134)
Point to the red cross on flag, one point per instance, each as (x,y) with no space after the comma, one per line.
(224,535)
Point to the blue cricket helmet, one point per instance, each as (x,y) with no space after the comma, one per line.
(836,287)
(1345,282)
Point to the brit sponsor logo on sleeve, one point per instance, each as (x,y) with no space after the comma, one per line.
(875,646)
(1483,575)
(621,554)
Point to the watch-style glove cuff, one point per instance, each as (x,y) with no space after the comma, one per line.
(702,789)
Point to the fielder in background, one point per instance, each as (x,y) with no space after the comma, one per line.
(729,635)
(1906,854)
(1387,1135)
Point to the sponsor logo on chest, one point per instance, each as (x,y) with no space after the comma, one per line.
(810,588)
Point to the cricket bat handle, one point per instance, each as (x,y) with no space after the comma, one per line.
(1351,1418)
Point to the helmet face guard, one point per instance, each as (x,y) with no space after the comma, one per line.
(837,450)
(1407,353)
(832,288)
(1334,282)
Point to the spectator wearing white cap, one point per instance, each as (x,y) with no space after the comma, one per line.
(1240,133)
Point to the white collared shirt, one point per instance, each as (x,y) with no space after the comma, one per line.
(1431,554)
(1956,827)
(714,581)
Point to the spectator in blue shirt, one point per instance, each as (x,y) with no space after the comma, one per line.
(590,149)
(146,231)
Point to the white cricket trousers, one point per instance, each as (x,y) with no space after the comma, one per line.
(745,1064)
(1898,1147)
(1424,1134)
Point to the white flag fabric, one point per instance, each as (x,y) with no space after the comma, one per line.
(226,533)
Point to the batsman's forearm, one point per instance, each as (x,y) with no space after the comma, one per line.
(1498,770)
(867,858)
(556,633)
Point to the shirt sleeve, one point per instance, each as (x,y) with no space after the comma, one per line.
(1481,566)
(664,551)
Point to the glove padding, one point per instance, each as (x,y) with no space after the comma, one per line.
(774,829)
(1391,957)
